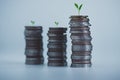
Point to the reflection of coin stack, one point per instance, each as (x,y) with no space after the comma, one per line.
(57,47)
(81,41)
(34,45)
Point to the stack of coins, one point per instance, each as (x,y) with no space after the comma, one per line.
(81,41)
(34,45)
(57,47)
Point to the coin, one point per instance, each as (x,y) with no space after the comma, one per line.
(33,61)
(57,64)
(80,65)
(76,57)
(56,54)
(81,47)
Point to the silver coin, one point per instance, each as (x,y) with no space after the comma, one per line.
(58,38)
(52,43)
(57,41)
(81,47)
(33,39)
(50,34)
(61,50)
(81,37)
(57,28)
(80,19)
(84,31)
(33,27)
(59,35)
(34,45)
(78,23)
(81,43)
(57,64)
(77,28)
(78,16)
(33,52)
(78,61)
(56,46)
(87,57)
(56,32)
(57,58)
(80,65)
(81,53)
(34,61)
(56,54)
(32,34)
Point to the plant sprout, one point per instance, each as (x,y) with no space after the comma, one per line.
(56,23)
(78,7)
(32,22)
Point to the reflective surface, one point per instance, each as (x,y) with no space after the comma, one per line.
(12,67)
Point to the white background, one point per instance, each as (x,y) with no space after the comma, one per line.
(104,17)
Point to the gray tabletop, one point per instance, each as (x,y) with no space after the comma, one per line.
(12,67)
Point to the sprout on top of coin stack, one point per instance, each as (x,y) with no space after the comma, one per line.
(34,44)
(81,39)
(57,46)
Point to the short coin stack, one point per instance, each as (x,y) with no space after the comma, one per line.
(57,47)
(34,45)
(81,41)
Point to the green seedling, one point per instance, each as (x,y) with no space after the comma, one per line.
(32,22)
(56,23)
(78,7)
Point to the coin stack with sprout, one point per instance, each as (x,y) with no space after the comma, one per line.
(81,41)
(57,46)
(34,45)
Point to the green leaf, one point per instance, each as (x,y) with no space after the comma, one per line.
(76,5)
(56,23)
(32,22)
(80,6)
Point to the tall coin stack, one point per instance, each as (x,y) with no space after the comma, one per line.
(34,45)
(57,47)
(81,41)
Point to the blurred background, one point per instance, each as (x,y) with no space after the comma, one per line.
(104,18)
